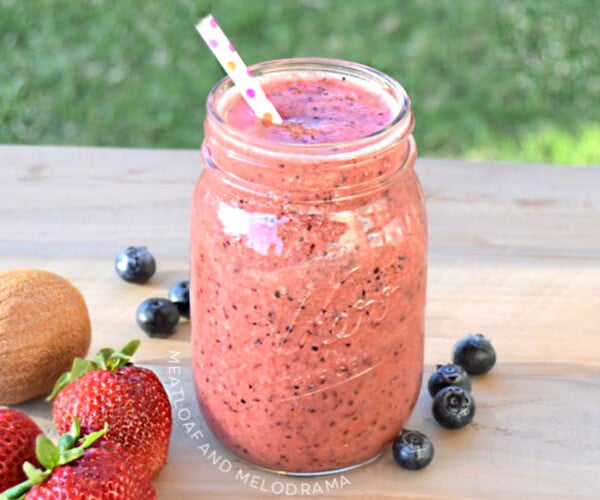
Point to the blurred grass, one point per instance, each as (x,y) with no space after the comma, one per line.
(489,79)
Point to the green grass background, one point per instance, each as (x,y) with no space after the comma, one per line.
(489,79)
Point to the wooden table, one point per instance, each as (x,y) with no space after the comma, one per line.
(514,253)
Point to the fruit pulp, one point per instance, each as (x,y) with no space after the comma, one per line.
(307,316)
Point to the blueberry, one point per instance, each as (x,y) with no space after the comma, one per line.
(446,375)
(475,354)
(158,317)
(453,407)
(412,450)
(135,264)
(179,294)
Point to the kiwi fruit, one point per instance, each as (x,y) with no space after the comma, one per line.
(44,324)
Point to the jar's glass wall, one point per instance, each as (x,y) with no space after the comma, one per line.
(308,302)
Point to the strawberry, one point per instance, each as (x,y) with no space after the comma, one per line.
(130,399)
(17,445)
(77,468)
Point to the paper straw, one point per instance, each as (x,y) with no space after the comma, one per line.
(232,63)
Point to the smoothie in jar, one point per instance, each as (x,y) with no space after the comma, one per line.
(308,268)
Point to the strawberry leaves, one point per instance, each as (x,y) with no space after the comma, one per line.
(46,452)
(79,368)
(111,360)
(106,359)
(70,447)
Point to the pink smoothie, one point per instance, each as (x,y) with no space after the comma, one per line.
(308,275)
(321,110)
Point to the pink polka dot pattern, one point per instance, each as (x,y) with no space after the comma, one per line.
(232,63)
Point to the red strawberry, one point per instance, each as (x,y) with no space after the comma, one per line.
(78,468)
(130,399)
(17,445)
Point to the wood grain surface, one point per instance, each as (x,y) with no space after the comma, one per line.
(514,253)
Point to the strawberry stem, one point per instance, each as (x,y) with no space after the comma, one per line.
(70,447)
(19,491)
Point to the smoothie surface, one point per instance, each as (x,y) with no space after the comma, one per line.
(315,110)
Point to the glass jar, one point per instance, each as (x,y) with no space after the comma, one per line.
(308,279)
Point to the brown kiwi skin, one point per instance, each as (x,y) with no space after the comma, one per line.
(44,324)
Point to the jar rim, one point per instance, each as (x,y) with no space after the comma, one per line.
(396,130)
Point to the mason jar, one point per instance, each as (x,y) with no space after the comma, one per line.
(308,268)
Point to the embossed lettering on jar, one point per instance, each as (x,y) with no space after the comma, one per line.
(308,262)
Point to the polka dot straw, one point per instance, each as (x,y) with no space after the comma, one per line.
(232,63)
